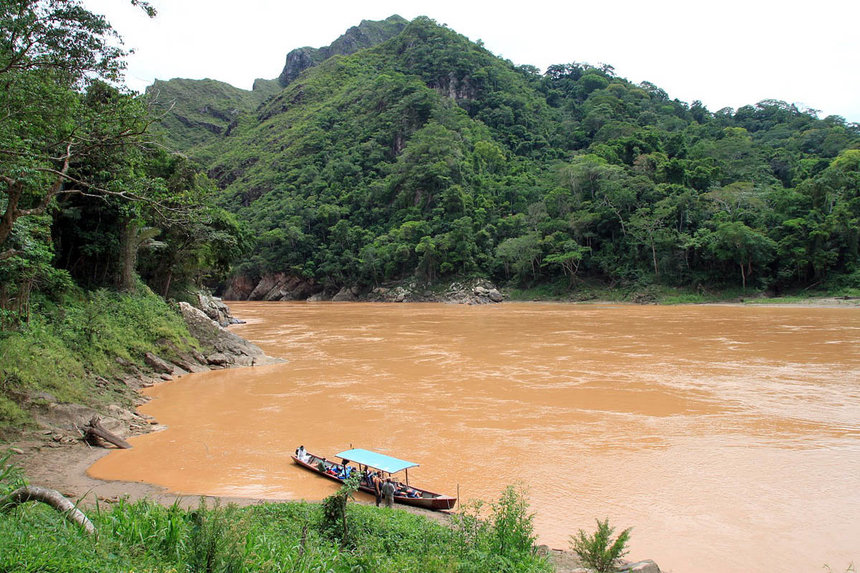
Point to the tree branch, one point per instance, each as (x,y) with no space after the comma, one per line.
(51,497)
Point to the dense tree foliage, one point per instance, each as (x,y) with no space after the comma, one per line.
(427,155)
(82,190)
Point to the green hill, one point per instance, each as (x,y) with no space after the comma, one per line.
(428,156)
(197,113)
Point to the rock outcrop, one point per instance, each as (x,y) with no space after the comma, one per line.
(215,309)
(366,35)
(239,288)
(222,348)
(281,286)
(347,294)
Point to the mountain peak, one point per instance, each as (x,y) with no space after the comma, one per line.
(367,34)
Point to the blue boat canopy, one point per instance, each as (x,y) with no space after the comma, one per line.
(375,460)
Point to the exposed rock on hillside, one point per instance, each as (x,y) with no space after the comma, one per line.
(220,346)
(278,286)
(281,286)
(366,35)
(239,288)
(215,309)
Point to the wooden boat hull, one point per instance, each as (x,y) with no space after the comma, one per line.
(428,499)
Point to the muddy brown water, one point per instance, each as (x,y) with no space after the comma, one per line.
(728,437)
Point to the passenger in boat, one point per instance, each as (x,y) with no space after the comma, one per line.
(388,490)
(302,454)
(406,491)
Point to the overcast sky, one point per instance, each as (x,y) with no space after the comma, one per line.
(726,54)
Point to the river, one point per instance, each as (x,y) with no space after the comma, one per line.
(727,437)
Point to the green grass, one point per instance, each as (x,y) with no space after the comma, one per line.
(63,349)
(144,536)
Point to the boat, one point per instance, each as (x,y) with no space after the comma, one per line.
(405,494)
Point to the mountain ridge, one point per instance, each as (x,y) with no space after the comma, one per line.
(426,155)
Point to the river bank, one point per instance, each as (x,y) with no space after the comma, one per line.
(57,458)
(53,448)
(475,291)
(55,454)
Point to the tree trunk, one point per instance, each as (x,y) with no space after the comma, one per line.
(94,429)
(51,497)
(126,278)
(167,286)
(654,258)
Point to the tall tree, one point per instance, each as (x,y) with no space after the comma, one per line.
(57,114)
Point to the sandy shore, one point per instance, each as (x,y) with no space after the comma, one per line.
(60,462)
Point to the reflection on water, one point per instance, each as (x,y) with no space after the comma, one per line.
(727,437)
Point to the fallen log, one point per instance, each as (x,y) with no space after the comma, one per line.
(94,429)
(51,497)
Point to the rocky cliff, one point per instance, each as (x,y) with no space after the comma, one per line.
(284,287)
(366,35)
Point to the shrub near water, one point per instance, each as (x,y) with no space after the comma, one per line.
(598,550)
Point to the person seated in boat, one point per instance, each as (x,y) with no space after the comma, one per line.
(302,454)
(406,491)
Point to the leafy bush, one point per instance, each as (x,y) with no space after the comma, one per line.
(216,540)
(599,551)
(334,523)
(143,536)
(499,536)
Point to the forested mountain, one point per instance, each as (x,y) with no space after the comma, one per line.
(428,155)
(196,113)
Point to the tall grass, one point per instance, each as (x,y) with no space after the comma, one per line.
(144,536)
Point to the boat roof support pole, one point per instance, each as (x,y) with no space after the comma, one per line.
(407,476)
